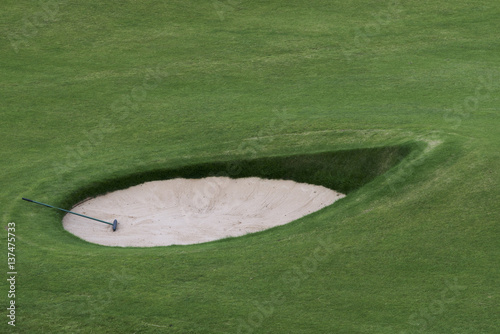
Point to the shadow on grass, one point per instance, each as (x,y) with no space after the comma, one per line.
(343,171)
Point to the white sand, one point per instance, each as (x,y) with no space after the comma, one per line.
(190,211)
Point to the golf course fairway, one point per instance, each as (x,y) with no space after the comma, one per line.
(395,104)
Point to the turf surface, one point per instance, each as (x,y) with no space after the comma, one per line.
(96,95)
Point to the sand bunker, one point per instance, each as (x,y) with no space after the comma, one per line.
(190,211)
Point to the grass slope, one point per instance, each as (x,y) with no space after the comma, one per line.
(94,92)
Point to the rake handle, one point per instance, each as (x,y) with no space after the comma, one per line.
(78,214)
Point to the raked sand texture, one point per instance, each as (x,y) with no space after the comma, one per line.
(190,211)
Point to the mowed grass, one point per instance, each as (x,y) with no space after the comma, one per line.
(95,93)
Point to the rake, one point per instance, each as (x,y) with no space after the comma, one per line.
(114,223)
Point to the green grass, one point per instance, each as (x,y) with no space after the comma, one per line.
(395,104)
